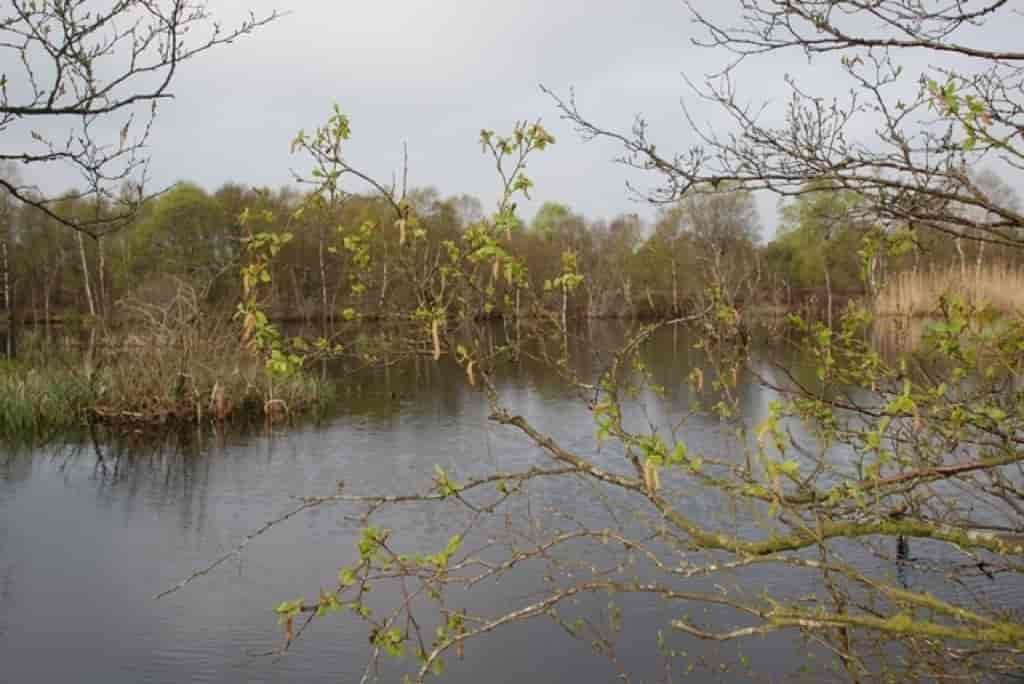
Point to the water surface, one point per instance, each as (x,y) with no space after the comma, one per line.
(88,536)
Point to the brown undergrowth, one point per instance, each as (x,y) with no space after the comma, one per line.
(172,365)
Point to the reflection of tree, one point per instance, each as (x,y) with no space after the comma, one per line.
(8,585)
(897,336)
(171,469)
(15,463)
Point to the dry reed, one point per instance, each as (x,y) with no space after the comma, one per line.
(917,293)
(177,365)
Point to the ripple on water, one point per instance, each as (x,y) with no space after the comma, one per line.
(93,545)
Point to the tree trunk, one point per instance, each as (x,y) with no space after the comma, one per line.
(5,264)
(627,291)
(47,289)
(85,274)
(872,273)
(518,328)
(565,307)
(102,277)
(299,304)
(828,294)
(12,319)
(675,289)
(323,284)
(35,305)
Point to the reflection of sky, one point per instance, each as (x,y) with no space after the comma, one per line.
(85,548)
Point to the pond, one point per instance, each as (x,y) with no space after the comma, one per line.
(90,533)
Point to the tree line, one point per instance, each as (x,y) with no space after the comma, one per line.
(826,246)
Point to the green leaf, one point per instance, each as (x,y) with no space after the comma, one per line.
(453,545)
(791,468)
(346,577)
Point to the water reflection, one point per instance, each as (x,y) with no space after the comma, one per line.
(894,336)
(90,531)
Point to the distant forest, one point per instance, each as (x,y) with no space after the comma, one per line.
(825,251)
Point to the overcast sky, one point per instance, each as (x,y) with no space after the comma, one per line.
(432,73)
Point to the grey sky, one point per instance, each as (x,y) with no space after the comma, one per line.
(434,72)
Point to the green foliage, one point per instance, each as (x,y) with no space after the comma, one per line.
(257,330)
(549,219)
(441,559)
(287,609)
(970,110)
(445,487)
(370,542)
(39,403)
(820,231)
(184,232)
(391,640)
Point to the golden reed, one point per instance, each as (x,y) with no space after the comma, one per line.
(916,293)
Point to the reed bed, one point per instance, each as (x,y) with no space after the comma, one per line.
(213,380)
(917,293)
(36,403)
(142,384)
(174,366)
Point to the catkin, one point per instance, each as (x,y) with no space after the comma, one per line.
(652,481)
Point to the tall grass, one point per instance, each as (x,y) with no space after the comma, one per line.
(917,293)
(175,365)
(35,403)
(142,380)
(141,383)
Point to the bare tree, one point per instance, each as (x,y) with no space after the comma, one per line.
(100,69)
(8,210)
(725,226)
(931,127)
(996,191)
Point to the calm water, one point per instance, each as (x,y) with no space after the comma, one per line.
(87,539)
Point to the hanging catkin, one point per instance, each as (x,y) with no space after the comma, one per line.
(651,479)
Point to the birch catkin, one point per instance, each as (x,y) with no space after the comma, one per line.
(651,479)
(435,333)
